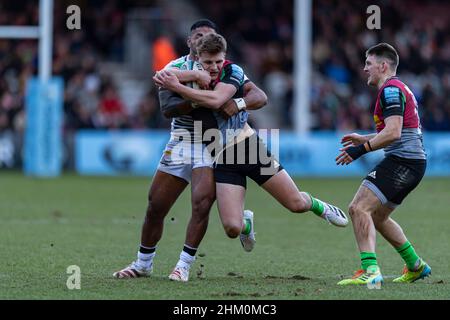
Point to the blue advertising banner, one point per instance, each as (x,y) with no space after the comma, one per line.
(313,155)
(43,136)
(119,152)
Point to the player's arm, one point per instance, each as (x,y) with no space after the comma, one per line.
(202,77)
(392,105)
(355,139)
(254,99)
(391,132)
(173,105)
(212,99)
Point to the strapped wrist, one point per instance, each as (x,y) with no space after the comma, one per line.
(356,152)
(240,103)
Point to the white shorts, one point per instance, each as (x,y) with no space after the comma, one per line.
(180,158)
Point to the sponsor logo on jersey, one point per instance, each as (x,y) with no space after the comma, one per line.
(392,95)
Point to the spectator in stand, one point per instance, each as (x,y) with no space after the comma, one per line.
(111,113)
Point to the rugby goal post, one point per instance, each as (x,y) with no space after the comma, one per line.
(42,154)
(302,65)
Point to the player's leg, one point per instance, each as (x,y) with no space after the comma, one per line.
(285,191)
(235,220)
(202,197)
(231,184)
(387,227)
(381,187)
(361,208)
(415,267)
(404,176)
(164,191)
(270,175)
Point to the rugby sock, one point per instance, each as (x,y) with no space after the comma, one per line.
(368,259)
(316,205)
(409,255)
(145,257)
(247,227)
(187,256)
(143,249)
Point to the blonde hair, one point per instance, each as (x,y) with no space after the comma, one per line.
(211,43)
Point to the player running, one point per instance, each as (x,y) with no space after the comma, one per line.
(386,186)
(172,177)
(231,176)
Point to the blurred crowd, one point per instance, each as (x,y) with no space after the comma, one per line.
(419,30)
(91,98)
(260,37)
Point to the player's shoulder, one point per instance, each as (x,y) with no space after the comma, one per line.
(233,70)
(391,89)
(393,83)
(191,65)
(179,62)
(232,66)
(391,94)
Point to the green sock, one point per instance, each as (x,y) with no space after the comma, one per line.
(247,226)
(408,254)
(316,206)
(368,259)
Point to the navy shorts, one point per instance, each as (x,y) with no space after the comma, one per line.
(394,178)
(248,158)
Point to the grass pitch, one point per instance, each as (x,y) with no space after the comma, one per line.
(94,223)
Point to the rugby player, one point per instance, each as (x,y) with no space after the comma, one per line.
(386,186)
(172,176)
(231,177)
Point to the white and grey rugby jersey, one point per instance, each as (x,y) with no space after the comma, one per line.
(184,122)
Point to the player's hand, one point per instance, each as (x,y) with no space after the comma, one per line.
(228,109)
(343,157)
(350,153)
(203,79)
(166,79)
(353,139)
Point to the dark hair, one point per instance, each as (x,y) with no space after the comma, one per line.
(387,51)
(211,43)
(204,23)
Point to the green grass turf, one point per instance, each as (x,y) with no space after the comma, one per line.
(48,225)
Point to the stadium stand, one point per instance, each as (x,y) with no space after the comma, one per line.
(261,40)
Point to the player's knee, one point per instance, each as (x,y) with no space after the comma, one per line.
(201,204)
(355,210)
(232,230)
(154,209)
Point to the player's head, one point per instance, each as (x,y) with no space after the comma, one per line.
(198,30)
(211,51)
(381,60)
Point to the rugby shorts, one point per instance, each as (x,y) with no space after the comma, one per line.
(248,158)
(180,158)
(394,178)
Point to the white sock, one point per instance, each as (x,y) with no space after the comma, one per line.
(145,260)
(186,260)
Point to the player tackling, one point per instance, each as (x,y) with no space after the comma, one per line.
(243,151)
